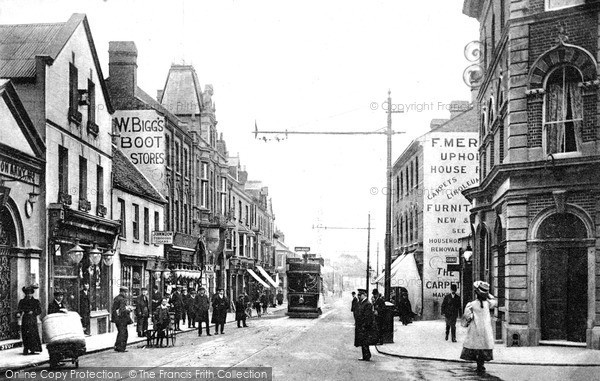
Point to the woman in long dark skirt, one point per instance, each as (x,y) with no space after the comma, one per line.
(29,308)
(405,309)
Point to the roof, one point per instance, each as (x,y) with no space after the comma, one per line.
(21,43)
(182,94)
(128,178)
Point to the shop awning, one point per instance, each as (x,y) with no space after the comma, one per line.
(267,276)
(404,271)
(255,276)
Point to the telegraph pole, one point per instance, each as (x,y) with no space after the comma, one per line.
(368,252)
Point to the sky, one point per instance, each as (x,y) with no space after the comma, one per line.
(298,66)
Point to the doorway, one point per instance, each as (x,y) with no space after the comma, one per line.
(564,294)
(563,278)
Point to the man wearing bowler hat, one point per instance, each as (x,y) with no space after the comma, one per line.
(121,317)
(201,307)
(176,303)
(142,312)
(451,307)
(364,330)
(220,305)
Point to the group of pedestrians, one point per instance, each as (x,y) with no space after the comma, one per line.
(478,345)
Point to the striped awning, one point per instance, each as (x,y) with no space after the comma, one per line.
(267,276)
(255,276)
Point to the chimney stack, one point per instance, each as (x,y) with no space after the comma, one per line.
(122,68)
(458,107)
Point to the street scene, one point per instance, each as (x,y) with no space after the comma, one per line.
(268,190)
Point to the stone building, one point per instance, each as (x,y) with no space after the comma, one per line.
(536,210)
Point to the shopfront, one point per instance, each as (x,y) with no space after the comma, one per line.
(22,231)
(81,248)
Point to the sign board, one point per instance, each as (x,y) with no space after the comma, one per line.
(209,269)
(301,248)
(162,238)
(451,259)
(453,268)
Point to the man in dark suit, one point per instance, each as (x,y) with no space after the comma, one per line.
(176,303)
(220,305)
(364,330)
(121,317)
(201,307)
(379,311)
(451,309)
(84,307)
(189,309)
(354,303)
(57,304)
(142,312)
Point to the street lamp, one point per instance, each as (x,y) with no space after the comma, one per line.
(95,256)
(108,257)
(75,254)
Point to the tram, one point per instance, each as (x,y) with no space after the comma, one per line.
(305,286)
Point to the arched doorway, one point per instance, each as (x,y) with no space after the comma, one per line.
(563,277)
(8,239)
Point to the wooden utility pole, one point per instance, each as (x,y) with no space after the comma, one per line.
(368,252)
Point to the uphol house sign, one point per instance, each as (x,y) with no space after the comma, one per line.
(162,238)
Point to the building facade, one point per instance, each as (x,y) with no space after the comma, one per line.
(141,208)
(60,81)
(535,212)
(22,212)
(429,212)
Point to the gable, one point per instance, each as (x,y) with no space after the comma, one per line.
(10,131)
(16,129)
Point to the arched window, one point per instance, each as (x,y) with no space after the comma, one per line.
(563,115)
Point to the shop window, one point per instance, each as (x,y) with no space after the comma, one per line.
(564,111)
(132,277)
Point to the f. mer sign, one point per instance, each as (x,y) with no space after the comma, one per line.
(141,136)
(450,165)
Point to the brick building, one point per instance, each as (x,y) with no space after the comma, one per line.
(429,212)
(536,211)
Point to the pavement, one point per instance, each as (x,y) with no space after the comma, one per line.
(424,340)
(14,359)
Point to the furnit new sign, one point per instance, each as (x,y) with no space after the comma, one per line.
(162,238)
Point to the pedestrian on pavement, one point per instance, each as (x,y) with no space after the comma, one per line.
(405,309)
(28,309)
(279,298)
(176,303)
(365,333)
(201,307)
(84,307)
(257,307)
(379,312)
(354,303)
(479,344)
(264,301)
(142,312)
(451,309)
(156,298)
(57,304)
(190,309)
(220,305)
(121,316)
(161,320)
(240,311)
(185,296)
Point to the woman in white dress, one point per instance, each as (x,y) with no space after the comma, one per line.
(479,344)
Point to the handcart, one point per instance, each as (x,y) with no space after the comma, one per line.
(64,337)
